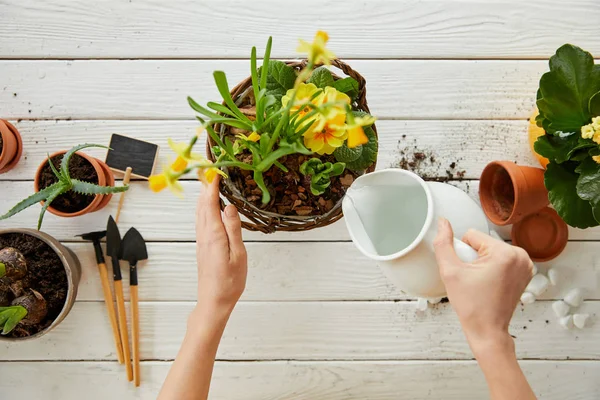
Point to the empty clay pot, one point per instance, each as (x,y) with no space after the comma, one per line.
(12,146)
(105,178)
(542,234)
(509,192)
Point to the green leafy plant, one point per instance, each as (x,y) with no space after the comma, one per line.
(30,308)
(65,183)
(321,173)
(568,100)
(2,270)
(10,316)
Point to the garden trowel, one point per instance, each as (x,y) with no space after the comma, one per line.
(134,250)
(113,250)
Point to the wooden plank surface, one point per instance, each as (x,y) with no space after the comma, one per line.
(157,89)
(310,380)
(344,330)
(217,29)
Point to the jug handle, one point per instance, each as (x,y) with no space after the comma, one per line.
(465,252)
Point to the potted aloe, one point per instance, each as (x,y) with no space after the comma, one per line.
(289,139)
(70,183)
(568,100)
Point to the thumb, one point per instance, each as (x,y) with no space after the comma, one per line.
(444,248)
(233,227)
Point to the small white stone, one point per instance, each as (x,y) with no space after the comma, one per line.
(579,320)
(566,322)
(553,276)
(561,309)
(538,285)
(535,270)
(574,297)
(435,300)
(422,304)
(527,298)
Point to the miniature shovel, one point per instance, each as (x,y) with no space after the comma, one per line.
(113,249)
(134,250)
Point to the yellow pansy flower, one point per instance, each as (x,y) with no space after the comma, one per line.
(356,133)
(328,134)
(317,52)
(168,179)
(587,131)
(184,155)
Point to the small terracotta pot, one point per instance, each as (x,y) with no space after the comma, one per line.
(105,178)
(534,133)
(543,234)
(72,269)
(12,146)
(509,192)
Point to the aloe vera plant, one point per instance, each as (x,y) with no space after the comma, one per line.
(65,183)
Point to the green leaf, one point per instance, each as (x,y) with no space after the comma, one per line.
(10,317)
(47,204)
(93,189)
(321,78)
(594,105)
(217,107)
(2,270)
(566,90)
(35,198)
(561,182)
(223,87)
(280,78)
(368,155)
(204,111)
(267,62)
(560,148)
(346,155)
(588,184)
(347,85)
(260,182)
(64,165)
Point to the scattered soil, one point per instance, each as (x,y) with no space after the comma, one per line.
(46,275)
(503,194)
(426,165)
(79,168)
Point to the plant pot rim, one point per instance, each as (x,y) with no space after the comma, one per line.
(94,205)
(67,257)
(514,173)
(15,132)
(267,221)
(540,248)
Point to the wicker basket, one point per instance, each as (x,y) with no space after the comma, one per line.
(269,222)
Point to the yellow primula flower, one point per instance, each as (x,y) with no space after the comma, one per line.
(356,133)
(317,52)
(596,158)
(184,155)
(596,123)
(304,93)
(331,95)
(327,135)
(168,179)
(596,137)
(587,131)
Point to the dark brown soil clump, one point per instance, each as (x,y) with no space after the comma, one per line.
(503,194)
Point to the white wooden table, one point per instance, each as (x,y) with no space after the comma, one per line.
(318,320)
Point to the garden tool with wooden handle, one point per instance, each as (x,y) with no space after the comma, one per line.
(95,238)
(134,250)
(113,249)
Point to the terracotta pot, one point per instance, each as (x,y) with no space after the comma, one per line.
(535,132)
(12,146)
(72,269)
(509,192)
(543,234)
(105,178)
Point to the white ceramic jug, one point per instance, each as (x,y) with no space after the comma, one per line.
(391,216)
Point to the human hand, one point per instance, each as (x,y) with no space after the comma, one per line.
(221,255)
(483,293)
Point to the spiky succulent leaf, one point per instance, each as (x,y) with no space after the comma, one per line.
(93,189)
(46,204)
(53,168)
(10,317)
(42,195)
(64,165)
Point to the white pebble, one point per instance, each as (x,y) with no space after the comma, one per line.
(422,304)
(566,322)
(554,276)
(527,298)
(535,270)
(579,320)
(574,297)
(435,300)
(561,309)
(538,285)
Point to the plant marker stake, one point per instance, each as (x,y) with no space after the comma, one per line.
(113,249)
(132,157)
(134,250)
(108,298)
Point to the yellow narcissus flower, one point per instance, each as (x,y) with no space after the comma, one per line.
(587,131)
(596,158)
(169,179)
(328,134)
(317,52)
(253,137)
(207,175)
(356,133)
(184,155)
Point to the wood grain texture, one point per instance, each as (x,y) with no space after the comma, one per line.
(331,380)
(374,29)
(307,272)
(153,89)
(312,331)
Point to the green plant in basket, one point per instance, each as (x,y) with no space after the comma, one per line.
(304,112)
(64,184)
(568,100)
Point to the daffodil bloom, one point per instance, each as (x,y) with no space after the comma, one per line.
(184,155)
(596,158)
(587,131)
(327,135)
(253,137)
(356,133)
(169,179)
(317,51)
(207,175)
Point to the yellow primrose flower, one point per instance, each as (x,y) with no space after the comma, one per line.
(596,158)
(184,155)
(356,133)
(316,51)
(168,179)
(253,137)
(331,95)
(304,92)
(328,134)
(596,137)
(587,131)
(596,123)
